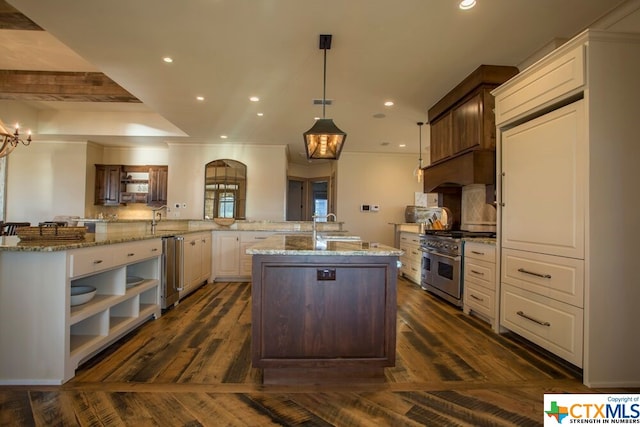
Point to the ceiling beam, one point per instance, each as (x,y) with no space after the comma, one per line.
(12,19)
(19,85)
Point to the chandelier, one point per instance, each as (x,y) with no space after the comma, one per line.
(11,140)
(324,140)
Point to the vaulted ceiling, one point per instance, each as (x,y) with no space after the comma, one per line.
(79,56)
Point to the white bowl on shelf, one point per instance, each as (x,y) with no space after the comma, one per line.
(82,294)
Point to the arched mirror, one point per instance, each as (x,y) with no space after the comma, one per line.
(225,189)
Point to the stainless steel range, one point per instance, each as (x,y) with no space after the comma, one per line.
(442,253)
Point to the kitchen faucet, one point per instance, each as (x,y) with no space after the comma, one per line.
(154,212)
(315,222)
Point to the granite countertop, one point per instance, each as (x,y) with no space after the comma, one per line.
(485,240)
(13,243)
(292,244)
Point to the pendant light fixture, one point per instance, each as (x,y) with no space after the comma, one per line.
(417,172)
(324,140)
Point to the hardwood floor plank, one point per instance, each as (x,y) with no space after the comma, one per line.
(192,367)
(15,409)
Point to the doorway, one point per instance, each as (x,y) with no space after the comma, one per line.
(306,196)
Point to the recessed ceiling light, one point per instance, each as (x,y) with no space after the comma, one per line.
(260,114)
(402,145)
(316,118)
(467,4)
(223,136)
(200,98)
(388,103)
(254,99)
(168,59)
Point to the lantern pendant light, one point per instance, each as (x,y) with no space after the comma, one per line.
(324,140)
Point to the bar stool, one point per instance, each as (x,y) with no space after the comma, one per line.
(9,228)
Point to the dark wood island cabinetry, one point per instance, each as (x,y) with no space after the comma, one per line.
(323,315)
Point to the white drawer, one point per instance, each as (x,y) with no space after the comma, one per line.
(553,325)
(556,277)
(254,237)
(90,260)
(411,238)
(127,253)
(480,251)
(551,81)
(480,272)
(479,299)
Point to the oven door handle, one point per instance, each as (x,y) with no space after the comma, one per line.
(452,258)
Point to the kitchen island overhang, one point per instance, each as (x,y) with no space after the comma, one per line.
(323,315)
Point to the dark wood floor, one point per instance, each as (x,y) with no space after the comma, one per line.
(192,367)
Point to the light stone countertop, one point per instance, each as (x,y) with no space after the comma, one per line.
(485,240)
(292,244)
(13,243)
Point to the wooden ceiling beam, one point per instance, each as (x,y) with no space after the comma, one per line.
(12,19)
(19,85)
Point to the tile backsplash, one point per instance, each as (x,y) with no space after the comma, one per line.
(477,215)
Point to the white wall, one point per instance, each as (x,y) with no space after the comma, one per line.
(266,178)
(383,179)
(46,179)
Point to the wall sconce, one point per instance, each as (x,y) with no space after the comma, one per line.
(11,140)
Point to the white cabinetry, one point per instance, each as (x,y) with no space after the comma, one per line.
(197,260)
(230,259)
(567,155)
(412,258)
(480,280)
(43,338)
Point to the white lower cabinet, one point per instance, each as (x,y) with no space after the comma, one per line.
(552,324)
(197,260)
(480,281)
(411,260)
(53,337)
(230,259)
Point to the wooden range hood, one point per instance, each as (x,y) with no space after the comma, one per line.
(472,167)
(463,132)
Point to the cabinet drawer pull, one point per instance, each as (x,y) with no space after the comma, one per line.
(476,298)
(131,254)
(97,261)
(477,253)
(539,322)
(414,269)
(544,276)
(477,272)
(193,243)
(260,238)
(415,253)
(154,250)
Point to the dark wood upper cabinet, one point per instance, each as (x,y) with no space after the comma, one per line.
(464,120)
(107,187)
(158,179)
(121,184)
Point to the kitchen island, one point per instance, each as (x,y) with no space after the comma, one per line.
(323,311)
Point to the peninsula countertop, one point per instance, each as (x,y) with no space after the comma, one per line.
(13,243)
(292,244)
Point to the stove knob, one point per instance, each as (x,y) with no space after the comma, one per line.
(454,247)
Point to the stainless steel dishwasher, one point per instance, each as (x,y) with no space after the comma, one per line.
(172,270)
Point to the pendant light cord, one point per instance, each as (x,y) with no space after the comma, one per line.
(420,147)
(324,83)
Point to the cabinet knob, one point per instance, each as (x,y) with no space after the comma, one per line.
(97,261)
(130,254)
